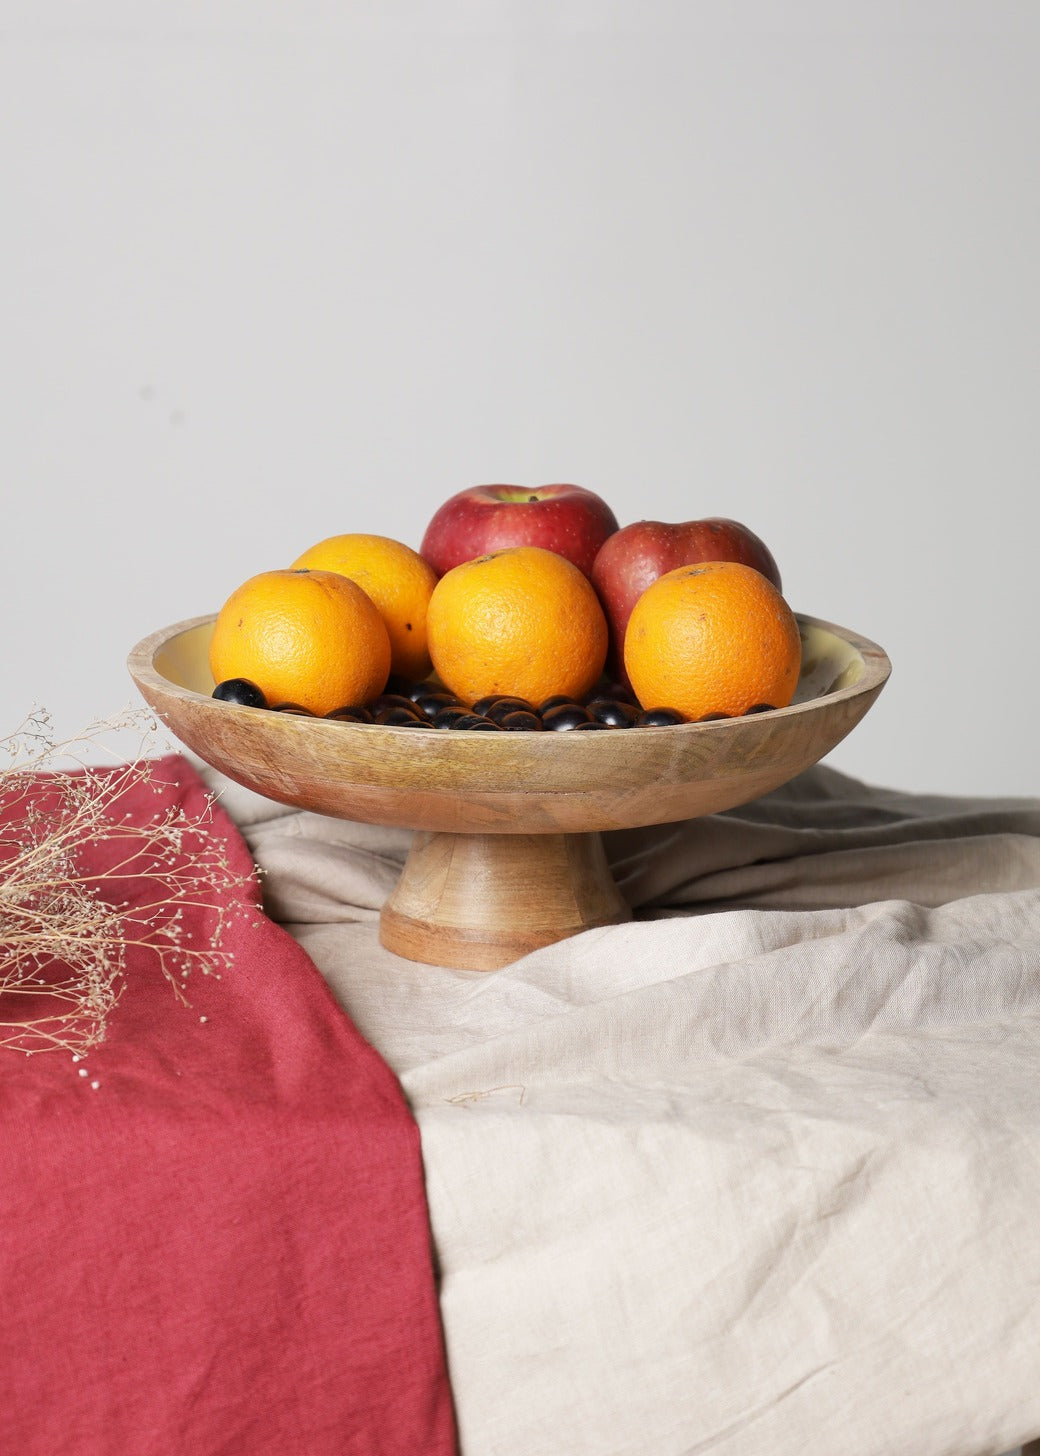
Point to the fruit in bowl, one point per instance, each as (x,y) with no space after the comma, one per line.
(399,582)
(359,621)
(306,639)
(568,519)
(635,556)
(713,640)
(523,621)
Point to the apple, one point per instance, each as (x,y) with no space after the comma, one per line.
(634,557)
(568,519)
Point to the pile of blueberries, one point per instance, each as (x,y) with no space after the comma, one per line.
(423,705)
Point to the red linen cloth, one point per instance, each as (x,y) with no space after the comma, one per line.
(223,1247)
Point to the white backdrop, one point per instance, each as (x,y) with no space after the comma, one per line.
(274,271)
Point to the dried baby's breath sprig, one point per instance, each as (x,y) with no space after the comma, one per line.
(69,921)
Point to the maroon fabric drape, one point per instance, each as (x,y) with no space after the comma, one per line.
(223,1246)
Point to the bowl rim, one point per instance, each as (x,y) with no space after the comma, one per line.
(877,670)
(508,782)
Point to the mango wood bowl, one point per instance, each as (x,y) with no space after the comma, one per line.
(506,854)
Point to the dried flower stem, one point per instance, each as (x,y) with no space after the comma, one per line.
(67,925)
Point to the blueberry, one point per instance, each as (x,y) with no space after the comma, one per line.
(713,717)
(759,708)
(474,723)
(353,713)
(384,701)
(659,718)
(558,700)
(505,703)
(430,702)
(492,700)
(614,712)
(564,716)
(241,691)
(399,716)
(297,710)
(522,720)
(448,717)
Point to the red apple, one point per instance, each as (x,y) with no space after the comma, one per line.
(637,555)
(568,519)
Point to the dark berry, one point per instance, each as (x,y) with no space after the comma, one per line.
(614,712)
(558,700)
(659,718)
(397,716)
(356,713)
(759,708)
(385,701)
(712,718)
(503,710)
(430,702)
(296,709)
(241,691)
(448,717)
(474,723)
(564,716)
(522,720)
(593,724)
(507,703)
(492,700)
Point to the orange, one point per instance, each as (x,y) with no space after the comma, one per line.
(307,637)
(522,620)
(714,637)
(397,579)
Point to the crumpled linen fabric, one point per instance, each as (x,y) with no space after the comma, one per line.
(758,1171)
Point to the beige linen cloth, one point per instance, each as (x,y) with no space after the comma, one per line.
(756,1173)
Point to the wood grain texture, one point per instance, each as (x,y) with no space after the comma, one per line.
(509,783)
(480,901)
(507,855)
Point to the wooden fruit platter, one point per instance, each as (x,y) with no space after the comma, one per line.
(506,855)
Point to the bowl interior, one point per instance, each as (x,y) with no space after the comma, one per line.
(511,783)
(829,662)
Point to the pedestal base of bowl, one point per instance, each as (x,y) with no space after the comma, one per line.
(480,901)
